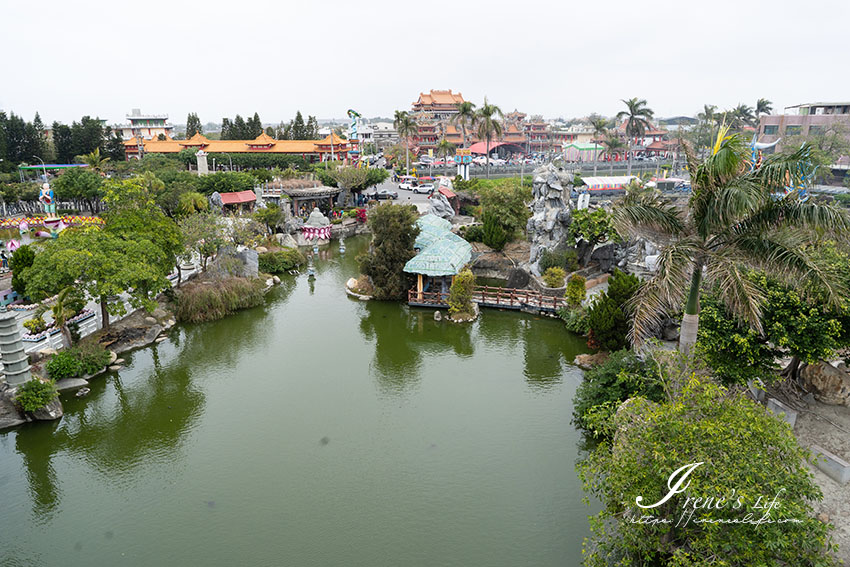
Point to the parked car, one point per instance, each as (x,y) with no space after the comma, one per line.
(426,188)
(406,185)
(382,194)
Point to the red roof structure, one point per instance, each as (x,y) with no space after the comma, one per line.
(447,192)
(238,197)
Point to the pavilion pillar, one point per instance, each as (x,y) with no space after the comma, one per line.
(419,286)
(16,365)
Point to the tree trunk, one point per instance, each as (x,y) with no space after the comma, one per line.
(104,314)
(66,335)
(791,371)
(628,151)
(690,321)
(407,157)
(179,273)
(488,157)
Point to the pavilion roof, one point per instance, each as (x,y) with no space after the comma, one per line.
(238,197)
(445,256)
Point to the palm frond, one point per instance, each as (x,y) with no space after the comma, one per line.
(664,292)
(778,171)
(791,212)
(725,271)
(641,216)
(782,255)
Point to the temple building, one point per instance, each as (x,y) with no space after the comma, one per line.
(330,147)
(438,105)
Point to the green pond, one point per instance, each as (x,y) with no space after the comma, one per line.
(314,430)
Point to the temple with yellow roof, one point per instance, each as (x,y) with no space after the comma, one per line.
(331,146)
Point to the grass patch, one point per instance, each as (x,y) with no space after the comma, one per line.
(210,300)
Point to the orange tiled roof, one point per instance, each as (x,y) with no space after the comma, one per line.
(439,97)
(237,146)
(262,140)
(197,140)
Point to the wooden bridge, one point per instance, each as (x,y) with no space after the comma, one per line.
(497,297)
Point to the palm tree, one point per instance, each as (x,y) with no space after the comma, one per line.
(637,116)
(94,160)
(600,127)
(406,127)
(742,115)
(489,126)
(61,311)
(613,145)
(445,148)
(707,117)
(465,117)
(732,223)
(763,106)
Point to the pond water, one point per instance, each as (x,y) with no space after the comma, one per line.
(314,430)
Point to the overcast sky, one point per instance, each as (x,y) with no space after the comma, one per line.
(218,58)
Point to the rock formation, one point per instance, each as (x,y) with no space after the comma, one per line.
(548,227)
(440,205)
(830,385)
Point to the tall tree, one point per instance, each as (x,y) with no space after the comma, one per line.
(733,221)
(255,127)
(193,125)
(445,149)
(299,130)
(763,106)
(114,145)
(226,129)
(707,118)
(312,132)
(613,145)
(488,120)
(600,128)
(742,115)
(465,117)
(637,116)
(406,127)
(240,128)
(62,143)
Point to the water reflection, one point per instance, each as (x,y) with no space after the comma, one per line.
(546,345)
(40,473)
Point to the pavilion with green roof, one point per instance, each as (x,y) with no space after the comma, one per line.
(441,254)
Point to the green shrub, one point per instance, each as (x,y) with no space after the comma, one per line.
(64,364)
(35,325)
(92,357)
(472,232)
(614,381)
(494,234)
(554,277)
(622,286)
(574,319)
(200,301)
(607,320)
(36,394)
(460,294)
(281,262)
(567,259)
(734,351)
(21,259)
(576,290)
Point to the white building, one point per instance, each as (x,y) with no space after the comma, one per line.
(149,125)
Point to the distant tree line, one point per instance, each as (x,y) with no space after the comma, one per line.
(24,142)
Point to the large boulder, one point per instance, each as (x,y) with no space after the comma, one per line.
(9,414)
(53,410)
(829,384)
(286,240)
(588,361)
